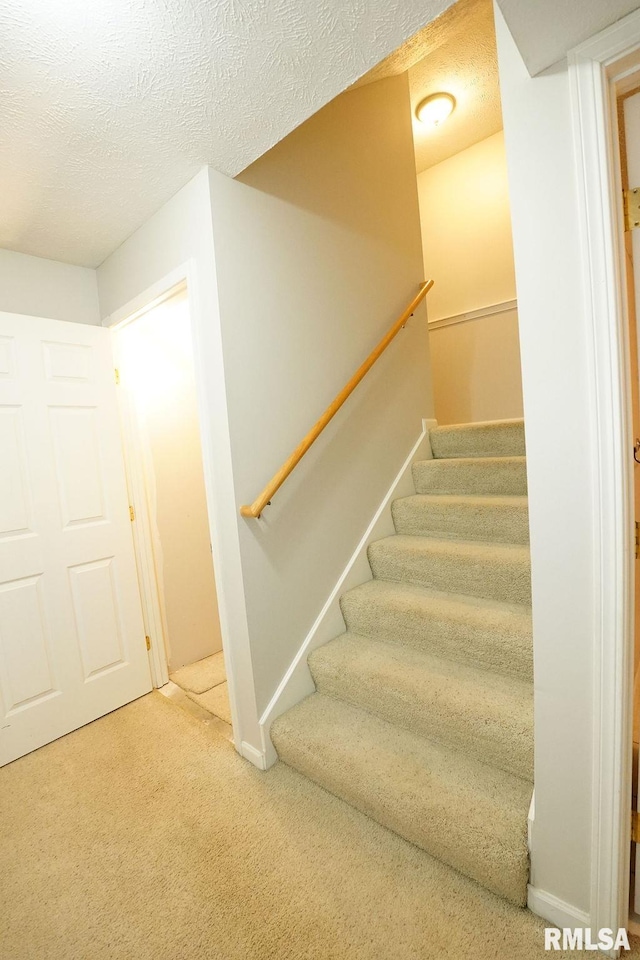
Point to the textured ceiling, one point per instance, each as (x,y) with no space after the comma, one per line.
(466,65)
(545,30)
(456,53)
(108,107)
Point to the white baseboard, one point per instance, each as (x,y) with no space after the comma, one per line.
(256,757)
(556,911)
(297,682)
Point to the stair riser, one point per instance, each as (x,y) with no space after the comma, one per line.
(499,524)
(418,812)
(502,643)
(499,478)
(508,581)
(479,440)
(445,844)
(488,731)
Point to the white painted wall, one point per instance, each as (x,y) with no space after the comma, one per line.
(179,239)
(318,250)
(155,359)
(47,288)
(468,250)
(545,30)
(555,379)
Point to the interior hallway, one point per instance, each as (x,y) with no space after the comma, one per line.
(145,835)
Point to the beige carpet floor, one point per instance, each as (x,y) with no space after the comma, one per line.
(143,836)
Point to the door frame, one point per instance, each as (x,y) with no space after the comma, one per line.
(594,67)
(144,537)
(235,639)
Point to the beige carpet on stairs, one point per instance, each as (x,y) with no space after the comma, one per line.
(423,712)
(205,682)
(143,837)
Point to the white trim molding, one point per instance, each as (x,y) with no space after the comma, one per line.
(297,682)
(531,820)
(491,311)
(592,73)
(556,911)
(256,757)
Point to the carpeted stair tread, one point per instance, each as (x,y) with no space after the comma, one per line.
(466,629)
(482,714)
(494,438)
(492,476)
(423,711)
(202,675)
(468,814)
(498,571)
(501,519)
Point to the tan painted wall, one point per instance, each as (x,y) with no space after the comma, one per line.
(157,360)
(466,235)
(476,369)
(318,250)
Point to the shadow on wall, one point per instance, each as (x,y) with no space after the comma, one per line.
(340,177)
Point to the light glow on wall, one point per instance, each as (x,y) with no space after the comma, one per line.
(156,356)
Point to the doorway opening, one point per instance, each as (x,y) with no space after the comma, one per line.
(165,475)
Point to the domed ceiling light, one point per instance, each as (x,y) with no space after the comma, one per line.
(434,110)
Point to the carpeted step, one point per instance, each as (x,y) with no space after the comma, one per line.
(482,714)
(501,519)
(488,476)
(495,571)
(468,814)
(493,438)
(466,629)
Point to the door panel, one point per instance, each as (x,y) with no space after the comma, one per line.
(72,644)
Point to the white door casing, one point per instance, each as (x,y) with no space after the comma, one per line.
(594,69)
(72,642)
(631,114)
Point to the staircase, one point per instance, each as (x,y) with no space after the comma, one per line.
(423,714)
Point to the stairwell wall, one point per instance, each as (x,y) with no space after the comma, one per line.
(555,374)
(318,250)
(468,250)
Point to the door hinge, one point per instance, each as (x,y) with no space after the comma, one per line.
(132,515)
(631,208)
(148,640)
(116,376)
(637,525)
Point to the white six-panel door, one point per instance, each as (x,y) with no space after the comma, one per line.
(72,644)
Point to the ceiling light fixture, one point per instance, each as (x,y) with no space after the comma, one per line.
(434,110)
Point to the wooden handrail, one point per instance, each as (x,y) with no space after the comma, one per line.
(255,509)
